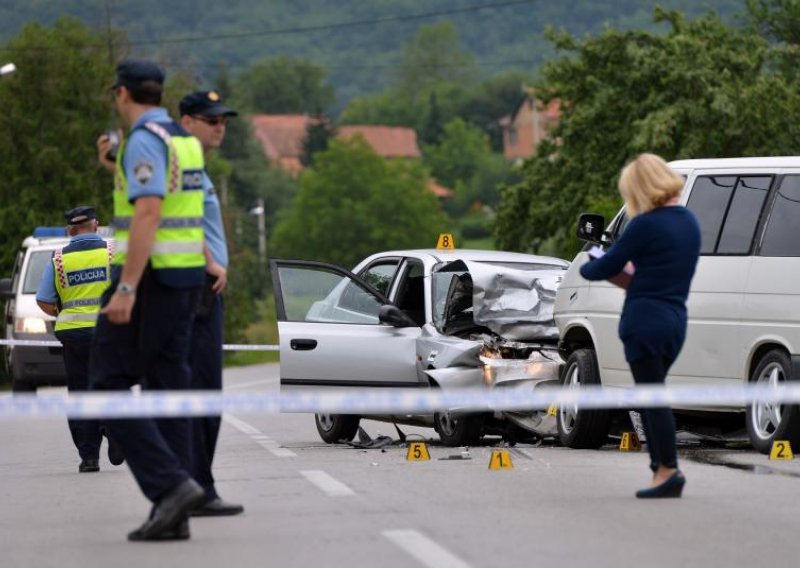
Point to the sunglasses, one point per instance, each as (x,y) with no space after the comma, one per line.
(212,120)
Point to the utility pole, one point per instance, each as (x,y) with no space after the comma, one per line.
(259,212)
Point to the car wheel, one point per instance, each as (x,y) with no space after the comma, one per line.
(582,429)
(459,429)
(767,422)
(334,428)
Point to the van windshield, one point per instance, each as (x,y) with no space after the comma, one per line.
(33,273)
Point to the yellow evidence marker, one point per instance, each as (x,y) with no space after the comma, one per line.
(417,451)
(781,450)
(500,459)
(446,242)
(630,442)
(553,410)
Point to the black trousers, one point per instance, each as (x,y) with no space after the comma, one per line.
(152,350)
(659,423)
(206,363)
(86,434)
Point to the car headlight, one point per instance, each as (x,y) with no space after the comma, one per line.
(30,325)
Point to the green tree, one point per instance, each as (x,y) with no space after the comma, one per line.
(353,203)
(703,89)
(54,107)
(284,85)
(459,155)
(318,137)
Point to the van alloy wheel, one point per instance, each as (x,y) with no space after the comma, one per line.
(567,415)
(766,416)
(582,428)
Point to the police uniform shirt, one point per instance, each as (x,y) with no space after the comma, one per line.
(212,224)
(145,159)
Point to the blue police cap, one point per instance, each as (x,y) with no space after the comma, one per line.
(80,215)
(205,103)
(136,74)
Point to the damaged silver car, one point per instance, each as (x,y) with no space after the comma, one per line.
(423,319)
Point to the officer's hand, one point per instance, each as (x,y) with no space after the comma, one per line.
(220,273)
(103,148)
(119,308)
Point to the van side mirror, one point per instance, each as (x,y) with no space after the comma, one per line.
(394,316)
(6,291)
(591,227)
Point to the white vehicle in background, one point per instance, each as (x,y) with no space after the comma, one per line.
(421,319)
(743,306)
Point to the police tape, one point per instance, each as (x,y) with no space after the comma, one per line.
(384,401)
(42,343)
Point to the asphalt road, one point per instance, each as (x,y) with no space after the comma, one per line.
(311,504)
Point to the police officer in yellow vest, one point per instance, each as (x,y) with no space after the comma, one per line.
(70,290)
(158,268)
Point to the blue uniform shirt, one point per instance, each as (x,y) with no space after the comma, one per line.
(47,285)
(145,159)
(212,223)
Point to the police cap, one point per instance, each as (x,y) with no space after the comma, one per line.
(205,103)
(137,75)
(80,215)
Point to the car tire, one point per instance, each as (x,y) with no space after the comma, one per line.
(335,428)
(769,422)
(582,429)
(460,430)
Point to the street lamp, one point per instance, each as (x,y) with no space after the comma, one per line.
(258,211)
(7,68)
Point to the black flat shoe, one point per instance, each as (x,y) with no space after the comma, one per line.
(89,466)
(178,532)
(115,455)
(671,488)
(217,508)
(169,512)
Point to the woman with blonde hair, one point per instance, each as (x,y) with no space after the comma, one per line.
(662,240)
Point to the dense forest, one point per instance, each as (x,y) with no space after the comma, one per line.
(359,43)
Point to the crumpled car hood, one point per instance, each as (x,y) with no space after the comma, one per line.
(515,304)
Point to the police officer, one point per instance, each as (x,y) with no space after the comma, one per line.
(144,327)
(205,116)
(70,290)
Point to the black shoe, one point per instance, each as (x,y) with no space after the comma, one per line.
(217,508)
(88,466)
(170,511)
(178,532)
(114,452)
(671,488)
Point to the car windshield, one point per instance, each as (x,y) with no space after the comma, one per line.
(441,283)
(36,263)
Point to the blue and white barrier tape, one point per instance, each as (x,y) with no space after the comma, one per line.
(383,401)
(42,343)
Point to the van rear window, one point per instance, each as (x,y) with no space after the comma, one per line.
(782,235)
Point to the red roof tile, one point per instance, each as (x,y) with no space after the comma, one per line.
(386,141)
(281,135)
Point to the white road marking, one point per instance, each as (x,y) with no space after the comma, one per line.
(424,549)
(257,436)
(327,483)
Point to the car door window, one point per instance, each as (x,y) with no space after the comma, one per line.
(782,234)
(709,202)
(743,215)
(380,274)
(322,294)
(410,295)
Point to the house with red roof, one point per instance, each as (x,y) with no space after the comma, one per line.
(528,125)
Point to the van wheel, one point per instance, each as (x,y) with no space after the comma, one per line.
(459,429)
(767,422)
(334,428)
(582,429)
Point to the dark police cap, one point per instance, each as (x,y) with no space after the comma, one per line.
(205,103)
(80,215)
(134,74)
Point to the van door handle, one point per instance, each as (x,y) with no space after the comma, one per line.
(303,344)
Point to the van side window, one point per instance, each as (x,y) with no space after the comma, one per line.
(743,215)
(782,235)
(709,202)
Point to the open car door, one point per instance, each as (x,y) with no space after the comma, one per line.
(330,330)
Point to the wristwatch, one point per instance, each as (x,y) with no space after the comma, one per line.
(125,289)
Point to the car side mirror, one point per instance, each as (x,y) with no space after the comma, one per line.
(591,227)
(6,291)
(394,316)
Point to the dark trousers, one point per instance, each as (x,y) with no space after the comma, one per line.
(206,363)
(659,423)
(86,434)
(153,350)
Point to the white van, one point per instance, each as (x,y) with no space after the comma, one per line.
(743,307)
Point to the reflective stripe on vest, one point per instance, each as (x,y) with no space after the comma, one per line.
(81,278)
(179,237)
